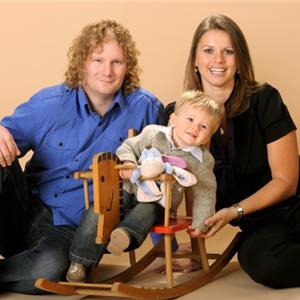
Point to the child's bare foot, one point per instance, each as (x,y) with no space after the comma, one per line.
(181,265)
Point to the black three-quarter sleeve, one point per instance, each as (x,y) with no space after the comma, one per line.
(273,116)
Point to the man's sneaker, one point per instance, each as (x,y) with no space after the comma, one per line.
(119,241)
(77,273)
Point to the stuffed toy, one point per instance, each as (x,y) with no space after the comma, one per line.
(151,164)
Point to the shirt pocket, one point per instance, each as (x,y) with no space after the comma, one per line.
(57,150)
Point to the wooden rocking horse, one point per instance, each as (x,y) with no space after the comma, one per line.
(107,191)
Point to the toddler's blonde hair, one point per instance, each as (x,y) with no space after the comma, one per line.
(200,100)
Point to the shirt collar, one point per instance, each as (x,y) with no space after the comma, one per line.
(119,99)
(195,151)
(83,101)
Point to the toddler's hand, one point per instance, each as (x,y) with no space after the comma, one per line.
(125,173)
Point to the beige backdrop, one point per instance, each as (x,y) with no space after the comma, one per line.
(35,37)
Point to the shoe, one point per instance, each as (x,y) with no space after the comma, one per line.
(119,241)
(77,273)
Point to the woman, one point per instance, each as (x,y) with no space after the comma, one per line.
(256,154)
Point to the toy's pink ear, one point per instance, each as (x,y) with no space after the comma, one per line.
(151,168)
(184,177)
(174,161)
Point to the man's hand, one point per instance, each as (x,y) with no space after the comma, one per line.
(8,148)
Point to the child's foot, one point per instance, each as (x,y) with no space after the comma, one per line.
(77,273)
(119,241)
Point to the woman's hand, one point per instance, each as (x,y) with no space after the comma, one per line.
(218,221)
(8,148)
(213,224)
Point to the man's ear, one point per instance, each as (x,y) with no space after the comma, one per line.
(172,120)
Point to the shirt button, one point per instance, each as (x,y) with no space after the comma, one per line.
(55,195)
(60,144)
(68,176)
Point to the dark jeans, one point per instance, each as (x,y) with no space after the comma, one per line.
(138,220)
(84,249)
(32,246)
(270,252)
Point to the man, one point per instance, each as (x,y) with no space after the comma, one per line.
(64,126)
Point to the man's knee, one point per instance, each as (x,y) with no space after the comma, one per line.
(53,268)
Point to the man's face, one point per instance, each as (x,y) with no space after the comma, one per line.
(104,72)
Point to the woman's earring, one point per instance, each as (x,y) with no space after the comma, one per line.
(196,70)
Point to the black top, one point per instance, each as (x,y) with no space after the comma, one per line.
(242,166)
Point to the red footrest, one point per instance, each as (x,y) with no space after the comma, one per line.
(175,224)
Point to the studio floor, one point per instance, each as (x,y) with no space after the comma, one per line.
(232,283)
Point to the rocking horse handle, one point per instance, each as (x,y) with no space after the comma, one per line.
(125,166)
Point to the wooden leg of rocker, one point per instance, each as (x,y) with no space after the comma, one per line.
(132,258)
(86,193)
(203,254)
(168,255)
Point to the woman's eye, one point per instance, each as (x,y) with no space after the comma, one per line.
(208,50)
(229,52)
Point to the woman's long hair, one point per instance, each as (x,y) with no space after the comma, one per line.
(245,81)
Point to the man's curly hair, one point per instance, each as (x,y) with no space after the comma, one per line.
(90,38)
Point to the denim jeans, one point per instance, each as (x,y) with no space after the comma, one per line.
(138,220)
(84,249)
(32,246)
(129,202)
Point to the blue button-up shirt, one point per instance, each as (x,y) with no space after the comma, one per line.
(64,133)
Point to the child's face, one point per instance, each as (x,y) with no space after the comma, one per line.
(191,126)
